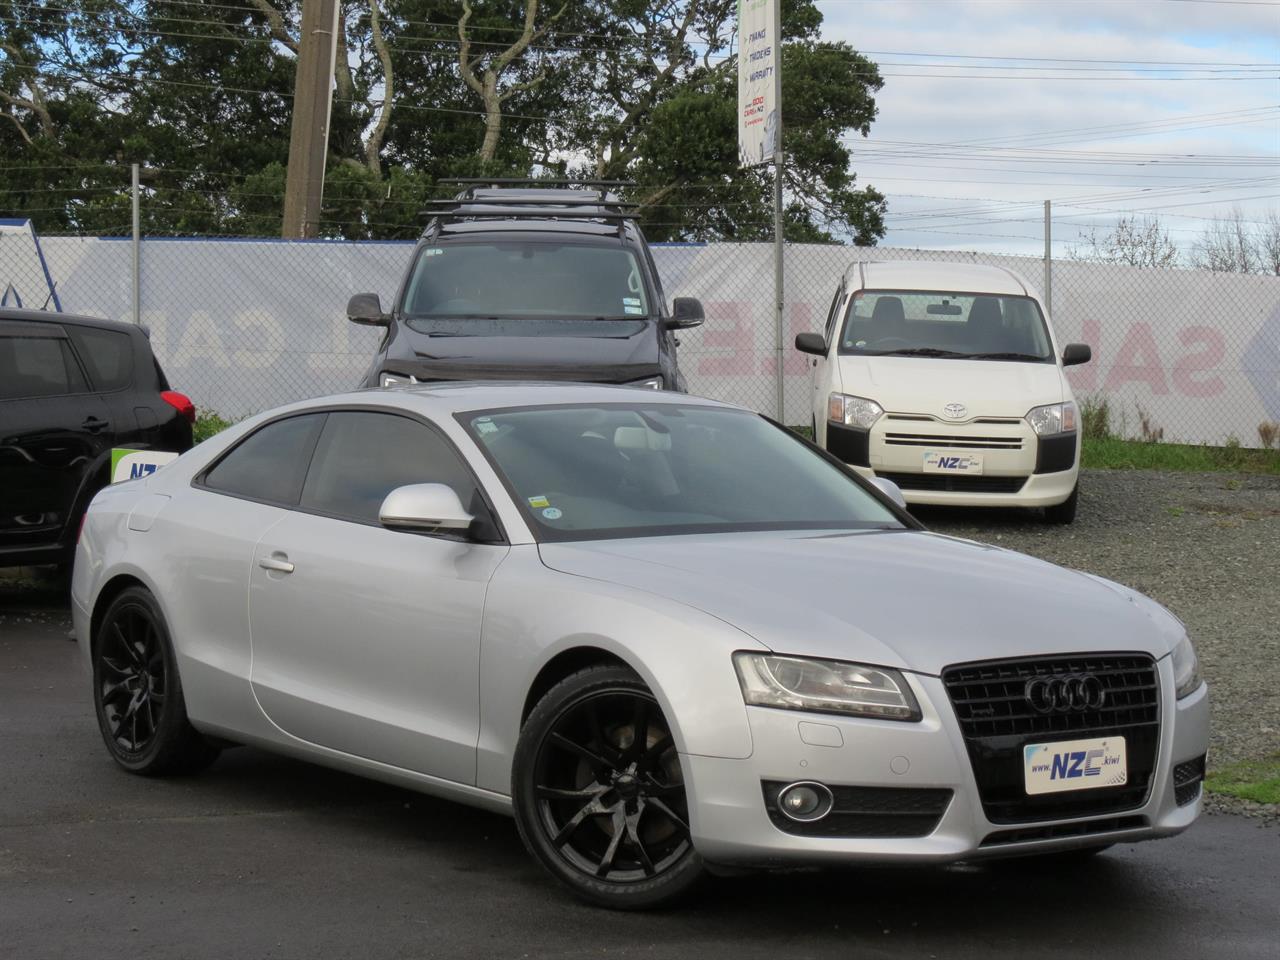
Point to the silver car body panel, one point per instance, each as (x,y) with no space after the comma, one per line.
(410,658)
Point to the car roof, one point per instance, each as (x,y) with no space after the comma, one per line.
(551,227)
(458,396)
(936,275)
(49,316)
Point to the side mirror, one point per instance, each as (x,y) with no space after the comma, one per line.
(430,507)
(890,490)
(686,312)
(366,308)
(814,343)
(1074,353)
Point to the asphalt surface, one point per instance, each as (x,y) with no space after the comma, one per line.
(266,857)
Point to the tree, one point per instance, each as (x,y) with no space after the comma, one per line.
(1138,242)
(1233,244)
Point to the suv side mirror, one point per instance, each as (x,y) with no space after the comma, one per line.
(429,507)
(814,343)
(686,312)
(1074,353)
(366,308)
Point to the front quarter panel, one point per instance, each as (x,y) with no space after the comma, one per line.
(532,614)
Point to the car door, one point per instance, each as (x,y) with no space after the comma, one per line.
(54,434)
(367,640)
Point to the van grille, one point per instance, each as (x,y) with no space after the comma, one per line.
(954,483)
(953,442)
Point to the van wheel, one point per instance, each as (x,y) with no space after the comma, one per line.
(1065,512)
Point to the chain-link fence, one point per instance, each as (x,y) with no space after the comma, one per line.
(244,325)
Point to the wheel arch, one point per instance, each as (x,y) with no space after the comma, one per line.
(565,663)
(117,585)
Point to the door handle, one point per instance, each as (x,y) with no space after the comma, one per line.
(276,563)
(93,424)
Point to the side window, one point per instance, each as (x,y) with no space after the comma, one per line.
(271,463)
(361,457)
(107,353)
(38,367)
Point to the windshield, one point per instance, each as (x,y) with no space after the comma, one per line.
(525,278)
(635,470)
(950,325)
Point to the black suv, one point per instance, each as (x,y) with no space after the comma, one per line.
(71,390)
(516,281)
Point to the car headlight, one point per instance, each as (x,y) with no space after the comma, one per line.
(395,379)
(825,686)
(1053,418)
(853,411)
(648,383)
(1186,669)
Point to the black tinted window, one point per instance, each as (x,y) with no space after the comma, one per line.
(38,367)
(271,463)
(361,457)
(107,353)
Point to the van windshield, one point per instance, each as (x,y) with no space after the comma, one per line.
(525,278)
(966,326)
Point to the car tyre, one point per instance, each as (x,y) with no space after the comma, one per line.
(137,693)
(1065,512)
(598,792)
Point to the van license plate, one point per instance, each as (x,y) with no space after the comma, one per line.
(1074,765)
(944,462)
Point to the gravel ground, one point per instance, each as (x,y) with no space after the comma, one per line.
(1207,546)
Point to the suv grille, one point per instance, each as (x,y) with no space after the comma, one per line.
(997,721)
(943,481)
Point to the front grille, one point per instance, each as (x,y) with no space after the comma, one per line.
(1187,777)
(1060,831)
(866,812)
(967,442)
(954,484)
(997,722)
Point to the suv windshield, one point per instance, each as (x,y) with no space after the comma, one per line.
(636,470)
(513,279)
(950,325)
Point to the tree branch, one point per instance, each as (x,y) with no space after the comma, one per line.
(374,146)
(275,22)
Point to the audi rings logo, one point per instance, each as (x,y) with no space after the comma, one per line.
(1076,692)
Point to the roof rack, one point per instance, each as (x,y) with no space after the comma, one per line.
(532,182)
(523,206)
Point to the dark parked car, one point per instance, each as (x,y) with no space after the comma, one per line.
(513,281)
(71,390)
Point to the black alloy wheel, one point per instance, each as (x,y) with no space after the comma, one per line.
(137,693)
(599,794)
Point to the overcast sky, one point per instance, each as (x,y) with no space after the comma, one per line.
(970,141)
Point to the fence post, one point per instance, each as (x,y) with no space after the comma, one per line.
(137,248)
(1048,257)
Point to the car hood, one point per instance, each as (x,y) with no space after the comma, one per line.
(607,351)
(913,600)
(988,388)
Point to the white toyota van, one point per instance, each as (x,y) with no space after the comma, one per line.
(948,380)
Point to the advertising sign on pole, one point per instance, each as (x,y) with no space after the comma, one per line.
(759,50)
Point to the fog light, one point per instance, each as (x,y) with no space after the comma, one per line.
(804,802)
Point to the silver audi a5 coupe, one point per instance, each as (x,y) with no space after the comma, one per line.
(665,634)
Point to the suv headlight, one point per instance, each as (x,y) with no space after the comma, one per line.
(825,686)
(1186,669)
(395,379)
(1053,418)
(853,411)
(648,383)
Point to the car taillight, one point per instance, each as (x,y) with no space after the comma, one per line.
(180,402)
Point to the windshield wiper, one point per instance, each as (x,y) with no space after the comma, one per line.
(918,352)
(1006,356)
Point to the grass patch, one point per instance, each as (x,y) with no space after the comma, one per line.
(1257,780)
(1116,454)
(207,424)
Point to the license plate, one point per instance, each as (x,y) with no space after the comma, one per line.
(1074,765)
(944,462)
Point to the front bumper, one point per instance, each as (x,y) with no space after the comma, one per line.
(731,826)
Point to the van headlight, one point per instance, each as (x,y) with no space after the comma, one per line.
(825,686)
(1053,418)
(1186,669)
(853,411)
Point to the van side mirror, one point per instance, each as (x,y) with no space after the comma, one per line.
(814,343)
(686,312)
(426,507)
(1075,353)
(366,308)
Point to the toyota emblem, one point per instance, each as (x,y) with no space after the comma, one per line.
(1072,693)
(955,410)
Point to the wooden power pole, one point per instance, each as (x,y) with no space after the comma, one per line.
(312,103)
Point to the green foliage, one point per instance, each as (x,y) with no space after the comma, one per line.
(1095,418)
(208,423)
(1257,780)
(1115,453)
